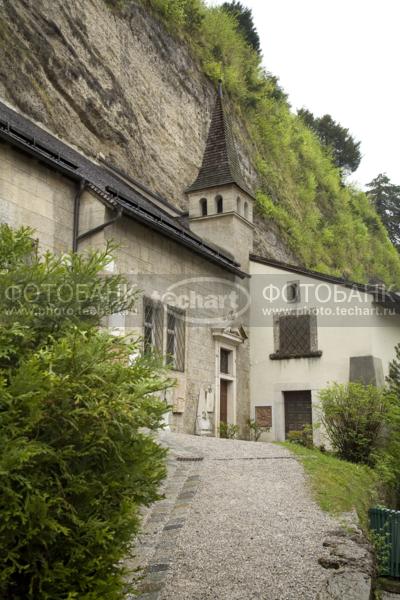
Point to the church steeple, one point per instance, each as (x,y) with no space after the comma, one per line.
(220,204)
(220,164)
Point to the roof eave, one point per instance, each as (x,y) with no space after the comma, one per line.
(199,187)
(379,298)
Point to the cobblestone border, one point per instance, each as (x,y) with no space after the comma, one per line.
(181,487)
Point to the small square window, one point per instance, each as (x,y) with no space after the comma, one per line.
(292,292)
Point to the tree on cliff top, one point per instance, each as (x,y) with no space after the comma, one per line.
(246,27)
(345,150)
(385,196)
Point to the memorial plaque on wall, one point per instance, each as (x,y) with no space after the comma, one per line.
(264,416)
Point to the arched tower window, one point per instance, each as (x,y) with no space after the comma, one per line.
(238,205)
(219,204)
(203,207)
(246,210)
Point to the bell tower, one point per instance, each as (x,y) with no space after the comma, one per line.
(220,204)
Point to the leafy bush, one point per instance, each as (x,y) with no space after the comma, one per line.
(381,543)
(388,458)
(354,417)
(255,429)
(228,431)
(179,15)
(75,462)
(304,437)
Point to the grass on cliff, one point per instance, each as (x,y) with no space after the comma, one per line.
(337,485)
(330,226)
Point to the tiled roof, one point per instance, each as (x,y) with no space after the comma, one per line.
(220,164)
(29,137)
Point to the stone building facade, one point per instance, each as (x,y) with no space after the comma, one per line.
(193,282)
(201,287)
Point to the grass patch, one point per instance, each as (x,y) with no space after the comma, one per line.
(338,486)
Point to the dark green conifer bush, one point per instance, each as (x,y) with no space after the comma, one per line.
(76,462)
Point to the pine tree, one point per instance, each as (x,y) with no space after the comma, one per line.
(385,197)
(345,150)
(244,17)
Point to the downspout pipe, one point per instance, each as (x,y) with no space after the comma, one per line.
(77,204)
(100,227)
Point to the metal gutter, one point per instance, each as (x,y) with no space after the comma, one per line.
(183,237)
(29,144)
(33,146)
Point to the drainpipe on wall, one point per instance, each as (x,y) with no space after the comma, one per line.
(76,238)
(77,203)
(100,227)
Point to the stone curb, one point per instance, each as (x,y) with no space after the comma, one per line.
(186,478)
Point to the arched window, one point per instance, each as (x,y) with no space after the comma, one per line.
(238,205)
(246,210)
(219,204)
(203,207)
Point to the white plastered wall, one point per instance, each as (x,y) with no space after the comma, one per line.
(373,335)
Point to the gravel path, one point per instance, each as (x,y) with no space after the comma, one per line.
(252,530)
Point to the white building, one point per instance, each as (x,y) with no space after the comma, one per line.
(308,330)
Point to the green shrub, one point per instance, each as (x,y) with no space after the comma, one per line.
(381,543)
(228,431)
(255,429)
(388,458)
(354,417)
(304,437)
(75,461)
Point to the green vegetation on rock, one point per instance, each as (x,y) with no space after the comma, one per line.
(330,226)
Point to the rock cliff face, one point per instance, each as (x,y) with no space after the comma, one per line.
(115,85)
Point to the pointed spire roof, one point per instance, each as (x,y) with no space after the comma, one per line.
(220,164)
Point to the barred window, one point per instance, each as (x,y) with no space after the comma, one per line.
(295,336)
(176,339)
(153,325)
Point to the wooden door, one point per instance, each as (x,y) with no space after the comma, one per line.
(298,410)
(223,401)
